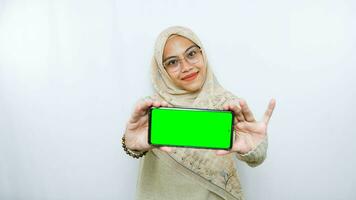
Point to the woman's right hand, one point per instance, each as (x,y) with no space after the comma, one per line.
(136,134)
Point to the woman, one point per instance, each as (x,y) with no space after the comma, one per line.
(182,77)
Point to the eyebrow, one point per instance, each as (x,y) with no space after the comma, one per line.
(194,45)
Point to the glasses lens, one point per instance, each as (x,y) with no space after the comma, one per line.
(193,55)
(171,64)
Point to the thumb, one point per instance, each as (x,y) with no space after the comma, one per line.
(222,152)
(166,149)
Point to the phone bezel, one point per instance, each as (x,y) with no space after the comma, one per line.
(199,109)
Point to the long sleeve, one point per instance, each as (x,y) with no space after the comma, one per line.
(257,155)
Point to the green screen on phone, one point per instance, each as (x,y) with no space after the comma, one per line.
(185,127)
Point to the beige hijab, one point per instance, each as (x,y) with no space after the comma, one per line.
(218,172)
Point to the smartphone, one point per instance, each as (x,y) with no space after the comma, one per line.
(190,127)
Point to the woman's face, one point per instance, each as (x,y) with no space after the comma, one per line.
(184,63)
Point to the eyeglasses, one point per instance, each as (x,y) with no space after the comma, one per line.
(192,55)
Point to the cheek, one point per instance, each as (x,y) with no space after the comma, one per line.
(201,66)
(203,71)
(174,77)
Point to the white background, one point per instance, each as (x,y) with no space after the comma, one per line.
(71,72)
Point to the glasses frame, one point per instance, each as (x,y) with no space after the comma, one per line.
(180,60)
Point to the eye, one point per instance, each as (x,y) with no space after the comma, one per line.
(172,62)
(192,53)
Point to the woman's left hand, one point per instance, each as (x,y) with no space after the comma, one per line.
(249,132)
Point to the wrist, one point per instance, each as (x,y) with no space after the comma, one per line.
(133,153)
(252,145)
(136,143)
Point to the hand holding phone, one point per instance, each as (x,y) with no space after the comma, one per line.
(136,133)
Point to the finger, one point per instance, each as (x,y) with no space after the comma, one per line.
(156,104)
(226,107)
(246,111)
(141,109)
(269,111)
(160,104)
(164,104)
(166,149)
(144,106)
(237,111)
(235,121)
(251,127)
(222,152)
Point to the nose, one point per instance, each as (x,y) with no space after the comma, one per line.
(185,66)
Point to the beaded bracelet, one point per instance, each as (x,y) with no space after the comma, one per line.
(130,152)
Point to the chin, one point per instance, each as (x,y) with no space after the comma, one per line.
(195,87)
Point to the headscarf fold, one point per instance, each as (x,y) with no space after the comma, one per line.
(219,171)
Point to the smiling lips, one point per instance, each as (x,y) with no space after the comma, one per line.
(190,77)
